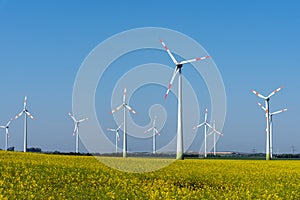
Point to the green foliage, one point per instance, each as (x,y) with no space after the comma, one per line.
(40,176)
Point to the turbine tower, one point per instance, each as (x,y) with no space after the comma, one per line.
(271,126)
(26,113)
(117,135)
(6,127)
(154,133)
(214,131)
(267,99)
(179,65)
(205,124)
(76,130)
(125,107)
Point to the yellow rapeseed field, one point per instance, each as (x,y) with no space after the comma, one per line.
(40,176)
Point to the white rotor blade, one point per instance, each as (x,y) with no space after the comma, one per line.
(169,52)
(117,108)
(111,129)
(259,95)
(156,131)
(206,113)
(25,102)
(279,111)
(118,136)
(130,109)
(171,82)
(18,115)
(154,121)
(124,96)
(6,131)
(29,115)
(2,126)
(210,133)
(207,124)
(82,120)
(73,118)
(119,126)
(75,129)
(262,107)
(8,123)
(275,91)
(195,127)
(148,130)
(218,132)
(193,60)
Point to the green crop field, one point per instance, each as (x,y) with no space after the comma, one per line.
(40,176)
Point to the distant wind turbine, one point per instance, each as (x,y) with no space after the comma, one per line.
(6,127)
(26,113)
(179,152)
(154,133)
(125,107)
(205,124)
(214,131)
(271,126)
(76,130)
(267,99)
(117,135)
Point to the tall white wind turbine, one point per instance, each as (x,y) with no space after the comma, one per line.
(6,127)
(205,124)
(117,135)
(214,131)
(26,113)
(76,130)
(271,126)
(267,99)
(179,151)
(125,107)
(154,133)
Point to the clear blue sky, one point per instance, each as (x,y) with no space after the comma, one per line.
(255,45)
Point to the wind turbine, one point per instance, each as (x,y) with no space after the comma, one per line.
(76,130)
(271,126)
(6,127)
(26,113)
(155,132)
(179,152)
(267,99)
(205,124)
(117,135)
(124,106)
(214,131)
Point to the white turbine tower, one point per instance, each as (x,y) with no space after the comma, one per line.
(214,131)
(6,127)
(271,126)
(76,130)
(117,135)
(26,113)
(154,133)
(267,99)
(205,124)
(179,152)
(124,106)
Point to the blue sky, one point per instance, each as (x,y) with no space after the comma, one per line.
(255,45)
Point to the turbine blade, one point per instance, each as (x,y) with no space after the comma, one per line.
(207,124)
(171,82)
(29,115)
(116,109)
(82,120)
(169,52)
(110,129)
(154,121)
(124,96)
(130,109)
(2,126)
(195,127)
(73,118)
(118,136)
(206,113)
(75,129)
(279,111)
(193,60)
(148,130)
(262,107)
(8,123)
(218,132)
(6,131)
(258,94)
(119,126)
(210,133)
(18,115)
(25,102)
(156,131)
(275,91)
